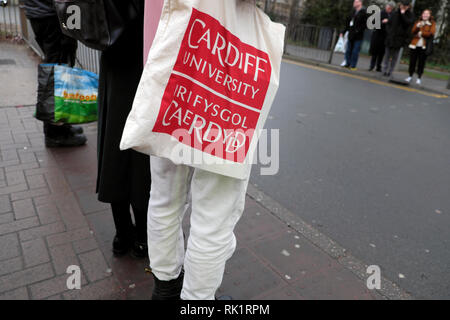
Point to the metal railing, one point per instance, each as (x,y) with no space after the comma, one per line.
(88,59)
(15,25)
(311,42)
(306,41)
(10,20)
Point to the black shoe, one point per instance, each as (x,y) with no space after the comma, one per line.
(379,69)
(75,129)
(168,290)
(121,245)
(370,69)
(139,250)
(66,141)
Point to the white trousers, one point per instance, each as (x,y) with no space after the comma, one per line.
(217,205)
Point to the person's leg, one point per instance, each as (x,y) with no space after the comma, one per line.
(380,59)
(39,28)
(124,227)
(394,57)
(422,57)
(167,206)
(348,53)
(217,205)
(413,61)
(140,219)
(69,50)
(138,173)
(140,244)
(53,130)
(49,37)
(387,56)
(355,54)
(373,61)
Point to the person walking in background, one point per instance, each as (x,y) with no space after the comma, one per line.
(423,34)
(57,48)
(398,34)
(377,45)
(123,176)
(356,25)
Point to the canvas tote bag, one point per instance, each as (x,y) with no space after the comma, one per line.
(208,85)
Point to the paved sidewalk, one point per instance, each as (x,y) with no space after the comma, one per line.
(50,219)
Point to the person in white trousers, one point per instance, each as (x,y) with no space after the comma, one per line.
(217,205)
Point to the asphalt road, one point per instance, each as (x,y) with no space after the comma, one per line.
(369,166)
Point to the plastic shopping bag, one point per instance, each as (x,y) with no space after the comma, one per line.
(66,95)
(208,85)
(341,45)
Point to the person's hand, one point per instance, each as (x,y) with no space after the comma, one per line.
(385,21)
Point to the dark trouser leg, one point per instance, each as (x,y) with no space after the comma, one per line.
(355,53)
(394,57)
(69,50)
(422,62)
(54,131)
(413,61)
(49,37)
(386,60)
(122,219)
(373,61)
(57,47)
(380,57)
(140,217)
(348,52)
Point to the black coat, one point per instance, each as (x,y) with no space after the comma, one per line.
(378,40)
(38,9)
(399,29)
(356,31)
(123,176)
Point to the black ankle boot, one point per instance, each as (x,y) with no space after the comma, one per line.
(168,290)
(75,140)
(73,130)
(139,249)
(121,245)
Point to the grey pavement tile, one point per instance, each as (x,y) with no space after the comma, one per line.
(11,265)
(63,256)
(41,231)
(257,224)
(334,283)
(10,246)
(243,282)
(16,294)
(106,289)
(94,265)
(15,226)
(25,277)
(292,257)
(35,252)
(23,209)
(5,204)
